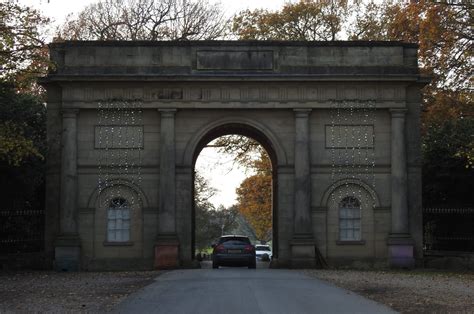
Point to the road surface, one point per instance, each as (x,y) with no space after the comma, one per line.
(244,291)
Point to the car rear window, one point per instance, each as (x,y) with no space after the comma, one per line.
(262,248)
(235,239)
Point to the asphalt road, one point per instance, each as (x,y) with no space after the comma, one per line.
(244,291)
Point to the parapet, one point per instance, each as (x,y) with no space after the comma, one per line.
(233,60)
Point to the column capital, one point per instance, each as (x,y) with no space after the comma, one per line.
(167,113)
(69,112)
(398,112)
(302,113)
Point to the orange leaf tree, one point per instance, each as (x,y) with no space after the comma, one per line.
(254,197)
(442,29)
(445,37)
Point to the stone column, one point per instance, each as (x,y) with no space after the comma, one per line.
(167,244)
(399,241)
(67,244)
(184,217)
(302,245)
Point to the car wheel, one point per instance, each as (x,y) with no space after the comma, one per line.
(215,265)
(252,265)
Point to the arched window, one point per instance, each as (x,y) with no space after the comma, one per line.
(349,219)
(118,221)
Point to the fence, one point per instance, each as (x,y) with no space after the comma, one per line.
(445,229)
(448,229)
(21,231)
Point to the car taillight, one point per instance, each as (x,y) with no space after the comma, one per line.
(220,248)
(249,248)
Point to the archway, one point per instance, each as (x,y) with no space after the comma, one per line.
(283,94)
(257,135)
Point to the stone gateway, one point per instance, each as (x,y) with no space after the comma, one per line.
(127,120)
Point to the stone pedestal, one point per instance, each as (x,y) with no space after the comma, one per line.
(303,252)
(166,252)
(67,253)
(400,251)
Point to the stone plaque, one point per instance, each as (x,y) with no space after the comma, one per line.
(118,137)
(234,60)
(170,93)
(350,136)
(165,93)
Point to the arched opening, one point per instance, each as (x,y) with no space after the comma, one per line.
(349,219)
(118,220)
(353,224)
(258,136)
(117,225)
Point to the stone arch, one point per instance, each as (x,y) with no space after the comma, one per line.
(271,141)
(246,127)
(117,182)
(349,181)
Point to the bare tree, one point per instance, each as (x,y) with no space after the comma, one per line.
(146,20)
(244,150)
(199,20)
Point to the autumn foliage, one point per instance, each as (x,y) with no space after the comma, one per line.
(304,20)
(442,29)
(254,197)
(23,52)
(255,204)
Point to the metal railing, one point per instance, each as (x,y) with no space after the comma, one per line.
(21,231)
(448,229)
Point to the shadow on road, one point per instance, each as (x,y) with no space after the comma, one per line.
(260,265)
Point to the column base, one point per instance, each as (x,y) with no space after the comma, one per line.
(401,251)
(303,252)
(67,253)
(166,252)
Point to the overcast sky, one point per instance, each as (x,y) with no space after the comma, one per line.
(218,169)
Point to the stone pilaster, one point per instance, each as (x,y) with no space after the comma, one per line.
(400,242)
(302,173)
(67,244)
(167,244)
(302,244)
